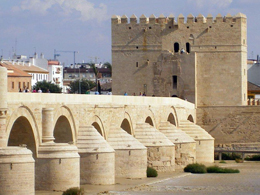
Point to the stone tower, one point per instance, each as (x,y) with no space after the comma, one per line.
(147,57)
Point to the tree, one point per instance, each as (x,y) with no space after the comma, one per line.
(95,70)
(85,85)
(44,86)
(107,65)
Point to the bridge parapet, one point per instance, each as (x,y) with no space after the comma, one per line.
(96,99)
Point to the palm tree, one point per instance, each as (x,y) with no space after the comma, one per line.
(95,70)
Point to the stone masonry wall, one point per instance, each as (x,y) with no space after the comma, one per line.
(161,158)
(231,124)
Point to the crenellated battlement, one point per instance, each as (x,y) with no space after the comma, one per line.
(179,20)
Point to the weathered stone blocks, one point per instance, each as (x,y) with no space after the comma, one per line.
(16,171)
(57,167)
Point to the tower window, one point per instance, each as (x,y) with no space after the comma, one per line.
(188,47)
(174,82)
(136,64)
(176,47)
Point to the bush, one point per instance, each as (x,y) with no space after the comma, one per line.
(222,161)
(151,172)
(73,191)
(195,168)
(253,158)
(45,85)
(238,160)
(230,156)
(216,169)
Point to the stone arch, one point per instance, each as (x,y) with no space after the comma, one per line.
(176,46)
(21,123)
(125,125)
(149,121)
(97,127)
(97,123)
(170,114)
(190,118)
(62,130)
(64,118)
(171,119)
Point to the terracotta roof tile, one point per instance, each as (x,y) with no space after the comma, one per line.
(252,87)
(26,68)
(12,71)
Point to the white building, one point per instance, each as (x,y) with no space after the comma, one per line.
(55,72)
(52,70)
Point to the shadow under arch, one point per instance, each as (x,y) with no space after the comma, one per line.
(149,121)
(25,113)
(171,119)
(22,133)
(98,125)
(64,117)
(62,131)
(125,125)
(190,118)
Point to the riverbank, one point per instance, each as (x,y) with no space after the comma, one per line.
(245,182)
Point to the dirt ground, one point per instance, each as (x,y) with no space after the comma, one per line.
(245,182)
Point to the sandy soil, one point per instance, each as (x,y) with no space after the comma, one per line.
(245,182)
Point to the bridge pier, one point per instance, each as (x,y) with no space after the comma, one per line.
(160,150)
(185,146)
(3,106)
(16,171)
(204,141)
(131,155)
(97,157)
(57,167)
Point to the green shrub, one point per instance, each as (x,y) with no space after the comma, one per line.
(222,161)
(253,158)
(230,156)
(73,191)
(238,160)
(216,169)
(195,168)
(151,172)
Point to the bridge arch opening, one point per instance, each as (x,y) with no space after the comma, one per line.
(171,119)
(22,133)
(190,118)
(125,125)
(97,127)
(62,130)
(149,121)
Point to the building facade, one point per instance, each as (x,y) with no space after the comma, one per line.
(55,72)
(195,59)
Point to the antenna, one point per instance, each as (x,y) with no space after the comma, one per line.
(15,47)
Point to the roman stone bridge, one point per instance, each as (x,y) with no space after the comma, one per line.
(57,141)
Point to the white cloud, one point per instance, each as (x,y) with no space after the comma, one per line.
(211,3)
(87,10)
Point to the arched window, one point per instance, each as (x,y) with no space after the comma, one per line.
(176,47)
(188,47)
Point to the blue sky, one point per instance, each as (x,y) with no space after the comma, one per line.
(84,25)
